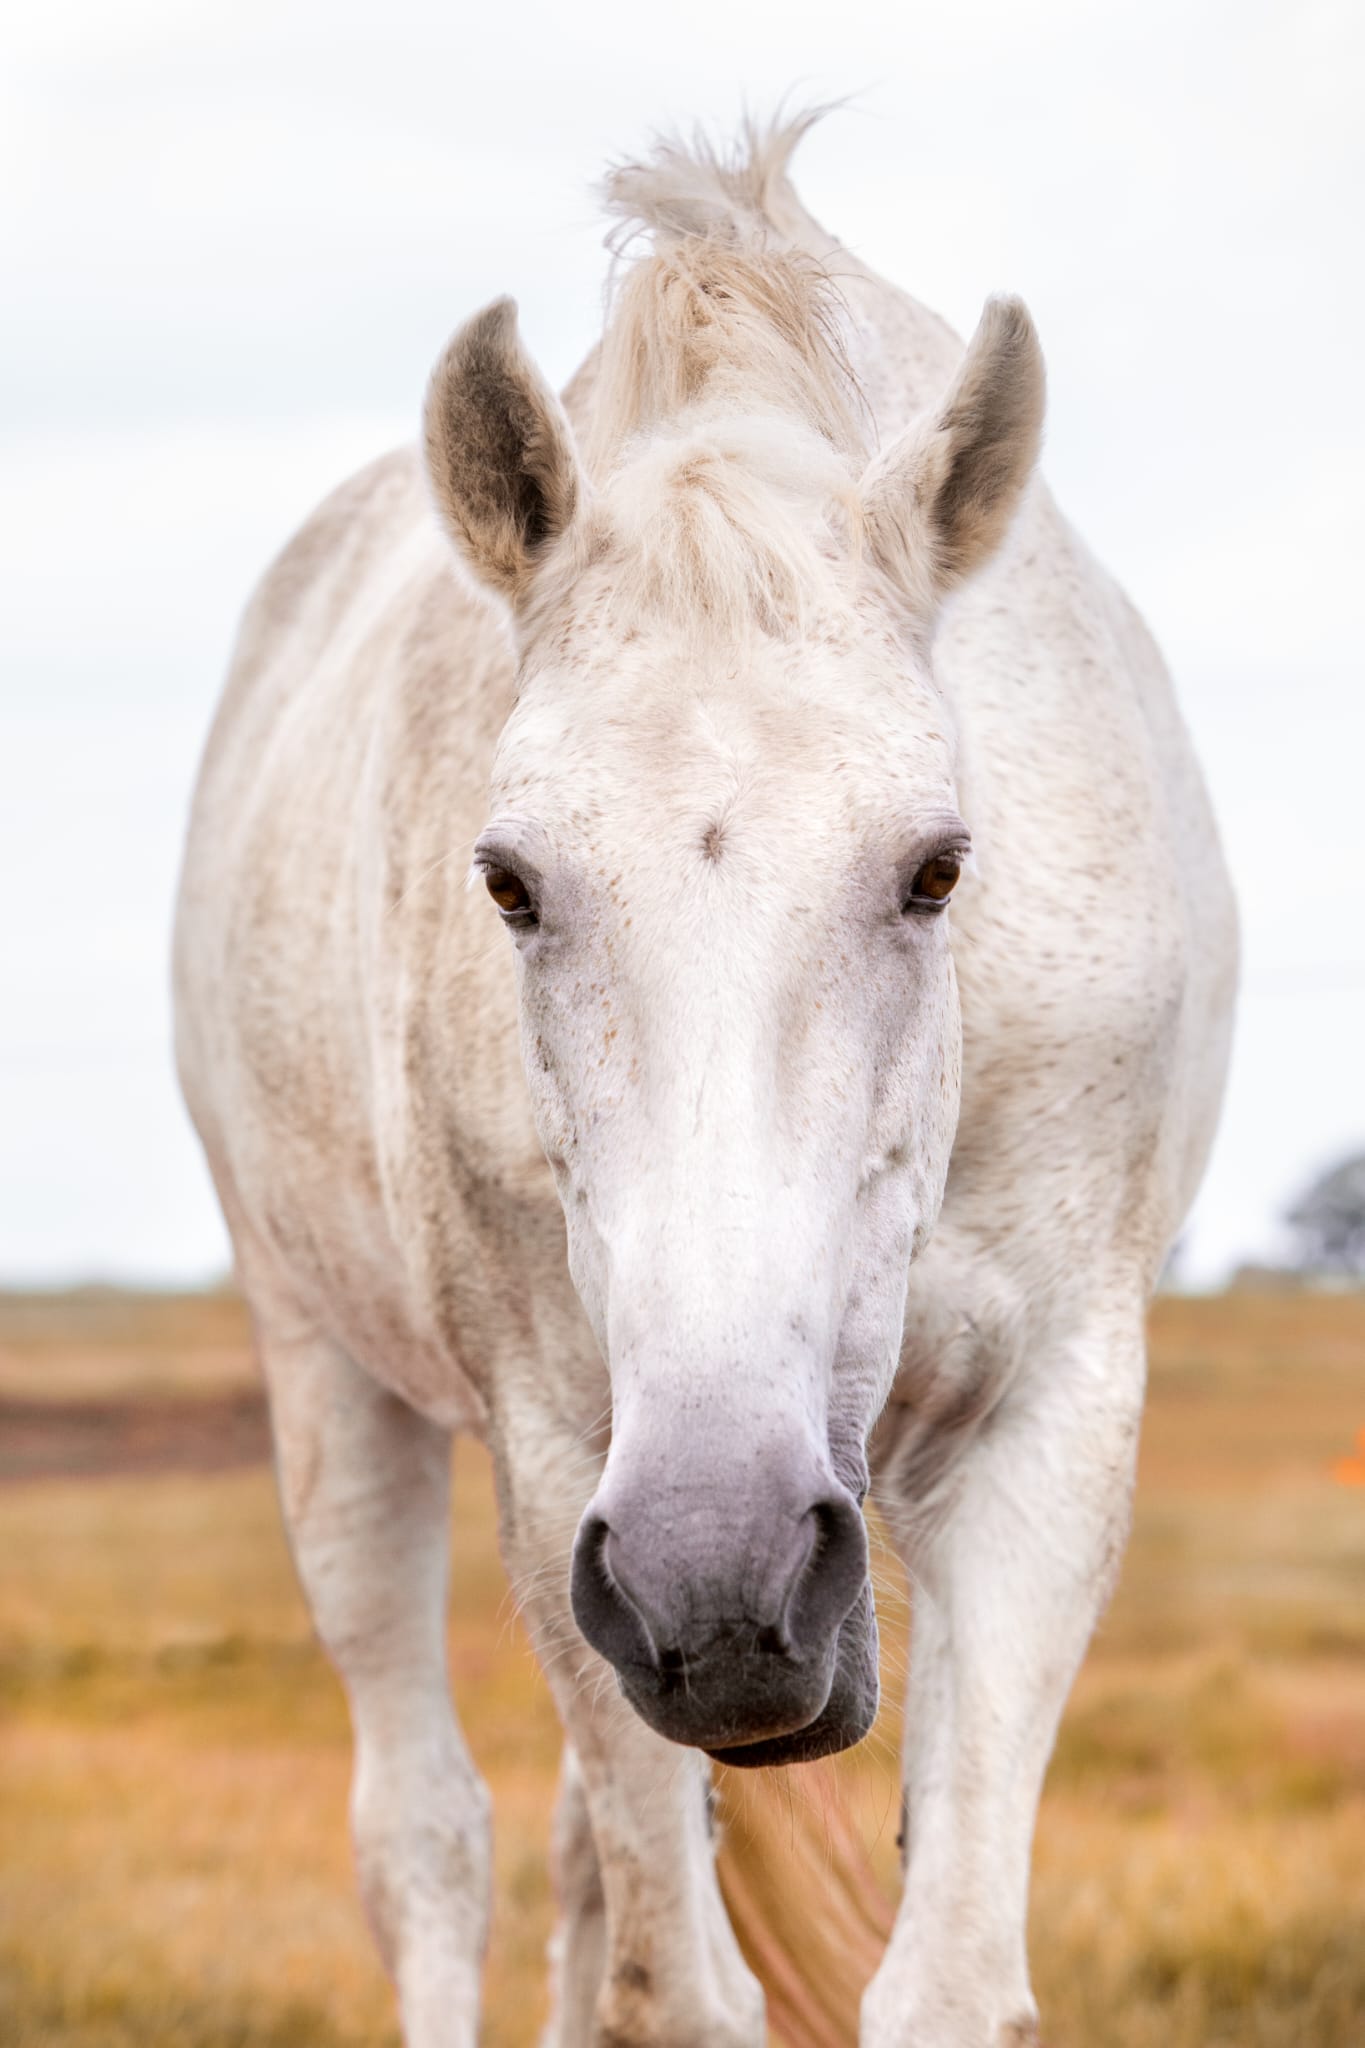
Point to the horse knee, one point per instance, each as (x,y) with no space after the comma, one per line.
(627,2017)
(420,1822)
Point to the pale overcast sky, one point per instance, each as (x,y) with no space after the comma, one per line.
(234,237)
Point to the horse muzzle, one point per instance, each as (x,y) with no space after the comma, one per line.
(736,1624)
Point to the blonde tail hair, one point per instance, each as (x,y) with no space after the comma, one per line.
(811,1914)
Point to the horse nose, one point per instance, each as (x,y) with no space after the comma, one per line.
(784,1588)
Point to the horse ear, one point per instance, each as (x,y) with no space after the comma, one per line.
(499,451)
(937,503)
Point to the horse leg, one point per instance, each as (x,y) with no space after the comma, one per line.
(365,1486)
(656,1964)
(1011,1561)
(580,1943)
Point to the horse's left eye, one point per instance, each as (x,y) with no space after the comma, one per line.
(508,892)
(935,882)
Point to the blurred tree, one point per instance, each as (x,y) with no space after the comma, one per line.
(1328,1221)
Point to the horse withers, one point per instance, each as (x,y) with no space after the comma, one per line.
(801,1101)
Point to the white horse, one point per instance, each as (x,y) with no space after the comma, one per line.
(763,640)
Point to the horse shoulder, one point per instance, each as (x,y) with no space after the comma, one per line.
(290,1045)
(1086,959)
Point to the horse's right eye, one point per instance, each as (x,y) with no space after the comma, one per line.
(508,891)
(935,882)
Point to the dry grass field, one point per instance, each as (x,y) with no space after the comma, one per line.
(174,1869)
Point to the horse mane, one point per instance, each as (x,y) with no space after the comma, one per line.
(726,431)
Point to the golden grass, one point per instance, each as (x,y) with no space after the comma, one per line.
(174,1869)
(100,1341)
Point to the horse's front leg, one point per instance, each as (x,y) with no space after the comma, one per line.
(1012,1556)
(364,1483)
(647,1955)
(579,1950)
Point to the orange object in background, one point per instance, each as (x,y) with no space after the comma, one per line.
(1351,1471)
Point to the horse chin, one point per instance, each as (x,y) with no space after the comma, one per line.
(848,1713)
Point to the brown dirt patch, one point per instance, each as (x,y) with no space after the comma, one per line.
(123,1439)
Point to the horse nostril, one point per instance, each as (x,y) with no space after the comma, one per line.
(608,1617)
(834,1571)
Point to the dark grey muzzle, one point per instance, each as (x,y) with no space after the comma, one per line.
(734,1618)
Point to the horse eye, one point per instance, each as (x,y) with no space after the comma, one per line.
(936,880)
(508,891)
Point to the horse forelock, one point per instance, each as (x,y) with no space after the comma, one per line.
(726,432)
(729,522)
(724,316)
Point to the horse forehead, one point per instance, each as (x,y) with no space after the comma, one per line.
(740,729)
